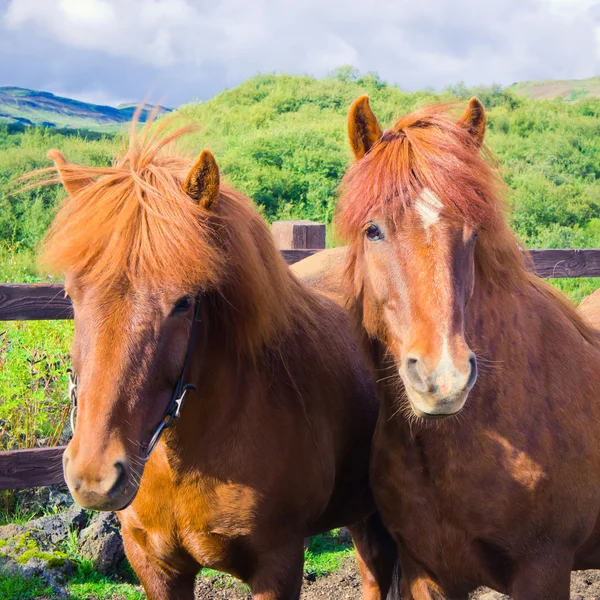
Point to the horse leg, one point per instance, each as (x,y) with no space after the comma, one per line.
(377,556)
(416,584)
(278,575)
(547,578)
(159,583)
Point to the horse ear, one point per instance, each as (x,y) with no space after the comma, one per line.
(72,185)
(202,183)
(363,128)
(474,120)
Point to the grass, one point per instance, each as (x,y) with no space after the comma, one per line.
(17,587)
(33,382)
(326,554)
(88,584)
(13,512)
(576,288)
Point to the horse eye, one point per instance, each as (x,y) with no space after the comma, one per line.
(182,305)
(474,236)
(373,233)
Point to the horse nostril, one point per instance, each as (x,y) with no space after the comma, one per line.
(120,481)
(473,373)
(412,372)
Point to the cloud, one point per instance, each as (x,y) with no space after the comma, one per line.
(180,50)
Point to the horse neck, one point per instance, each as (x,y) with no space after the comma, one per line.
(517,330)
(221,401)
(232,381)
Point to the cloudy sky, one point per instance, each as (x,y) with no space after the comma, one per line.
(176,51)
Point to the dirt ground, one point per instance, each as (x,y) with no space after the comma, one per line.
(344,584)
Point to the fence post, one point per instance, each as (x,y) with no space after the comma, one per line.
(299,235)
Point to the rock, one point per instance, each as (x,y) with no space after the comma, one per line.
(12,530)
(22,556)
(54,575)
(75,518)
(37,500)
(101,542)
(30,550)
(60,498)
(8,565)
(310,576)
(48,531)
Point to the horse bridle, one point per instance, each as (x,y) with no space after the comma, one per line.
(173,410)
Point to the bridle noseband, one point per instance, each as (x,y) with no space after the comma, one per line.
(173,410)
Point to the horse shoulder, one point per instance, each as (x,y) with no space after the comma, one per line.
(324,272)
(590,309)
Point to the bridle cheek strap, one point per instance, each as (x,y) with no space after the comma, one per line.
(174,407)
(173,410)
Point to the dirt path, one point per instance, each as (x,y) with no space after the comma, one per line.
(344,584)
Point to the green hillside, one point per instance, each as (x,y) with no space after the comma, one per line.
(29,107)
(282,140)
(567,89)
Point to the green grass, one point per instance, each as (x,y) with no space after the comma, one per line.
(19,588)
(33,382)
(17,264)
(88,584)
(576,288)
(12,512)
(326,554)
(577,88)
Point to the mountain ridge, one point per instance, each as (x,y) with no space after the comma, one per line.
(32,107)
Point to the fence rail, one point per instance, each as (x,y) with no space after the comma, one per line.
(21,469)
(40,301)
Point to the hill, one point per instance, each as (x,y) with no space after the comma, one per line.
(282,140)
(30,107)
(567,89)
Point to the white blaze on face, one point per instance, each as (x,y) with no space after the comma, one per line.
(428,206)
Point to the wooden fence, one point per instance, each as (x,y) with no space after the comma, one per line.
(20,469)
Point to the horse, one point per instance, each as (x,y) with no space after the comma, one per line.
(485,463)
(224,410)
(590,309)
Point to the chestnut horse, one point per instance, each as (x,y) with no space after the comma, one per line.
(176,283)
(590,309)
(489,478)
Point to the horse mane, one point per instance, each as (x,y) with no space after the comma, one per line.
(133,223)
(430,148)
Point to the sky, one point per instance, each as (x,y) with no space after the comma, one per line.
(178,51)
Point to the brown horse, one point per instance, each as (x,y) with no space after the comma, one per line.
(176,283)
(590,309)
(505,493)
